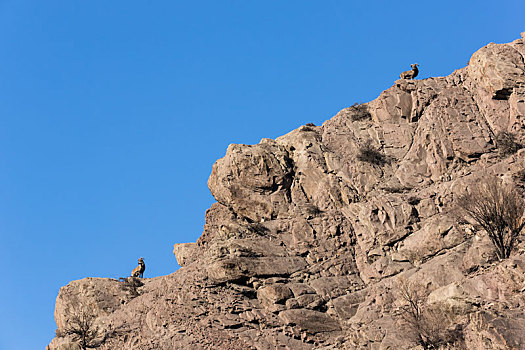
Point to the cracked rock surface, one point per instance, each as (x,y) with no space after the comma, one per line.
(306,241)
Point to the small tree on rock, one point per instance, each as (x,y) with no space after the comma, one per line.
(431,326)
(506,143)
(499,209)
(82,328)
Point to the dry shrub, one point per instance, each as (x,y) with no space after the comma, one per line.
(520,175)
(81,326)
(307,127)
(131,285)
(312,209)
(369,154)
(397,189)
(506,143)
(499,210)
(258,229)
(359,112)
(431,326)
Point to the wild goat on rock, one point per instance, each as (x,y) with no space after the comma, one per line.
(410,74)
(139,270)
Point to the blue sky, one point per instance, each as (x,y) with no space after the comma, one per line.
(113,112)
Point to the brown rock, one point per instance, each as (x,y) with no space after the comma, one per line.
(183,252)
(254,181)
(274,294)
(310,320)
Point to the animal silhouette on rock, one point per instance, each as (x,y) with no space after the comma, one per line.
(410,74)
(139,270)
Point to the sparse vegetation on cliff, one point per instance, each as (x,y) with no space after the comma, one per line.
(370,154)
(131,285)
(359,112)
(506,143)
(307,240)
(497,208)
(81,327)
(431,326)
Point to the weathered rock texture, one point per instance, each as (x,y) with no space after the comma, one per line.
(307,241)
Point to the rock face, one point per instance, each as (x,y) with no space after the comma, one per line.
(311,235)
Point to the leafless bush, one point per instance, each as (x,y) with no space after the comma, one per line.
(506,143)
(258,228)
(131,285)
(308,127)
(520,175)
(312,209)
(431,326)
(359,112)
(370,154)
(81,326)
(397,189)
(499,210)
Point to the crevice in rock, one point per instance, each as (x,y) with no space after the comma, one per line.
(503,94)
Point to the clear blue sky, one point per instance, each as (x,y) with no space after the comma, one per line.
(113,112)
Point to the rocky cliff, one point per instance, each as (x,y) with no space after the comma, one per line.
(314,234)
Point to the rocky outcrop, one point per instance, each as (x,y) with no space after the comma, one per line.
(313,232)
